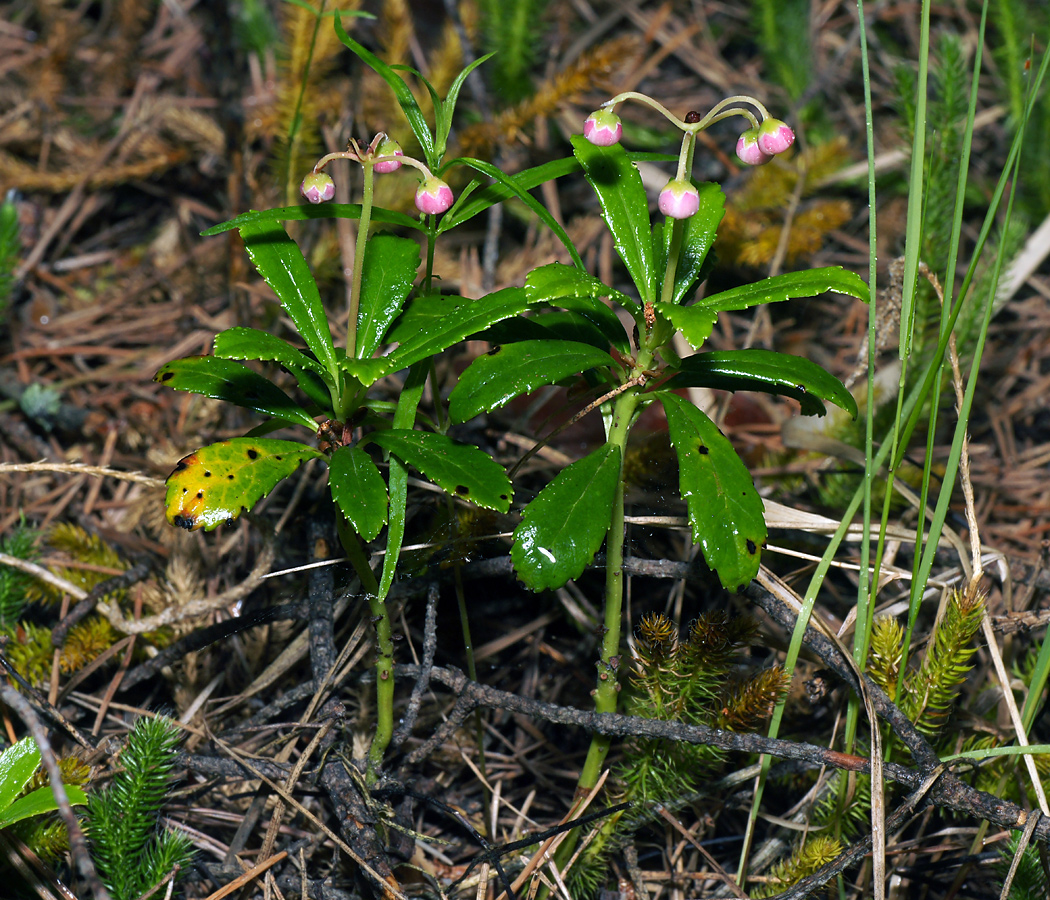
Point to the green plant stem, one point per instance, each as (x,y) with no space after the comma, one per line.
(384,647)
(367,196)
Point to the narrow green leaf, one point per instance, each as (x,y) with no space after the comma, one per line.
(625,208)
(563,527)
(755,369)
(448,108)
(459,469)
(512,369)
(577,327)
(556,283)
(42,800)
(220,481)
(358,490)
(308,212)
(404,96)
(251,343)
(809,283)
(695,322)
(281,263)
(387,277)
(525,197)
(698,234)
(17,765)
(434,323)
(224,379)
(725,511)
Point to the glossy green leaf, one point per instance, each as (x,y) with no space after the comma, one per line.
(695,322)
(387,277)
(251,343)
(565,524)
(755,369)
(220,481)
(624,205)
(525,197)
(443,112)
(570,288)
(17,765)
(512,369)
(809,283)
(225,379)
(459,469)
(725,511)
(569,325)
(309,211)
(281,264)
(358,490)
(434,323)
(42,800)
(404,95)
(698,234)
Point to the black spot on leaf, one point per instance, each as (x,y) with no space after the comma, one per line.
(751,548)
(253,454)
(495,350)
(200,495)
(702,449)
(183,522)
(180,465)
(207,474)
(462,490)
(165,376)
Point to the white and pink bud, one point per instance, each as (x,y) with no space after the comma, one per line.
(774,136)
(603,128)
(679,199)
(433,196)
(388,147)
(748,150)
(318,187)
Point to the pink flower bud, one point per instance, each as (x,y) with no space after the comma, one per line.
(603,128)
(774,136)
(679,200)
(388,147)
(749,152)
(433,196)
(317,187)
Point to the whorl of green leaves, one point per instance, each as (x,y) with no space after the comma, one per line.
(929,692)
(512,28)
(884,661)
(132,854)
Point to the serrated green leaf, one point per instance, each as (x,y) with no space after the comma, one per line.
(224,379)
(696,323)
(569,325)
(511,183)
(767,371)
(281,264)
(405,98)
(624,205)
(725,511)
(307,212)
(790,285)
(565,524)
(387,277)
(251,343)
(698,234)
(570,288)
(458,469)
(434,323)
(358,490)
(512,369)
(220,481)
(42,800)
(17,765)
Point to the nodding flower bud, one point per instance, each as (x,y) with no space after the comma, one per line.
(774,136)
(388,147)
(317,187)
(749,152)
(679,200)
(603,128)
(433,196)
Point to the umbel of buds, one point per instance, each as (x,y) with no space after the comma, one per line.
(679,199)
(383,156)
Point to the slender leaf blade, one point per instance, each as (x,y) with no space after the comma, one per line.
(458,469)
(725,511)
(251,343)
(17,765)
(565,524)
(790,285)
(219,482)
(755,369)
(225,379)
(555,283)
(624,205)
(309,212)
(358,490)
(386,280)
(281,264)
(508,370)
(42,800)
